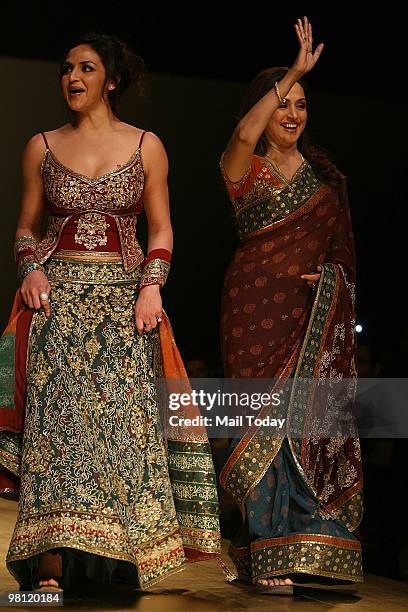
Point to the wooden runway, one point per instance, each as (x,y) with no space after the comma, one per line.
(201,587)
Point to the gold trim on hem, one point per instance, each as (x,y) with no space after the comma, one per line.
(97,256)
(56,542)
(300,570)
(310,554)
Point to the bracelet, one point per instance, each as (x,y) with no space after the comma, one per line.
(24,245)
(27,264)
(156,268)
(281,101)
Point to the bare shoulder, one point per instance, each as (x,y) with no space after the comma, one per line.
(63,130)
(37,145)
(154,156)
(153,150)
(34,150)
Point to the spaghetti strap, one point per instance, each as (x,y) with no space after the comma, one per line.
(141,139)
(45,140)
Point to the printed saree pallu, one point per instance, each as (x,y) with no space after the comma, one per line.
(300,495)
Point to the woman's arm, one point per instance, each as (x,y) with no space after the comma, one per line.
(238,153)
(30,219)
(160,234)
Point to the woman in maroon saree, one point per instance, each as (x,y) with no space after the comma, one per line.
(288,314)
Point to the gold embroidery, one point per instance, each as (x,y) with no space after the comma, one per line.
(113,192)
(93,426)
(315,554)
(96,256)
(91,230)
(65,270)
(351,512)
(131,250)
(117,192)
(26,264)
(53,233)
(155,272)
(267,203)
(101,534)
(24,243)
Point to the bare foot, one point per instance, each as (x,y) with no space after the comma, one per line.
(275,582)
(50,582)
(50,565)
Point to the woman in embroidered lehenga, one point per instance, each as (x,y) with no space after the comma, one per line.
(104,495)
(288,315)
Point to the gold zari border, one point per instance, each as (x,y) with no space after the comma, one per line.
(90,273)
(94,256)
(309,555)
(97,534)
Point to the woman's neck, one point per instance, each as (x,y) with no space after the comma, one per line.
(283,155)
(100,119)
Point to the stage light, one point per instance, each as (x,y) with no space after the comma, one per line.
(359,329)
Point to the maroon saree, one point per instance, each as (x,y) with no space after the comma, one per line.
(274,326)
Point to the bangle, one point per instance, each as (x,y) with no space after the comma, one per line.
(281,101)
(24,245)
(156,268)
(27,264)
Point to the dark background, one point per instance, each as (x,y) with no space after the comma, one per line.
(358,113)
(201,58)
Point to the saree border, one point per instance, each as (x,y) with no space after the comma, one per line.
(325,303)
(321,192)
(256,450)
(315,554)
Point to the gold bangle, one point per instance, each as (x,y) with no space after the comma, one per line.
(155,272)
(278,94)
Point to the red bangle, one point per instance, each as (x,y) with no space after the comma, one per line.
(163,254)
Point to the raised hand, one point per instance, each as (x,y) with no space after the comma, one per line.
(306,59)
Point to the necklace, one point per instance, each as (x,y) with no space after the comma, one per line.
(280,173)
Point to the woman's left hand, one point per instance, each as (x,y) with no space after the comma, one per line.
(148,308)
(312,279)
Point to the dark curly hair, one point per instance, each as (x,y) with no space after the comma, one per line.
(320,161)
(122,65)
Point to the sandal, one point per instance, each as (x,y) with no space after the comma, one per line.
(274,589)
(322,583)
(339,588)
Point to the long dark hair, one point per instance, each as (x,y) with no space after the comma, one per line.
(320,161)
(122,65)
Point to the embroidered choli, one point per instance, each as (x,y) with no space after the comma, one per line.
(261,198)
(93,209)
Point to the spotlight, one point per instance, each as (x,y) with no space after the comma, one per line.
(359,329)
